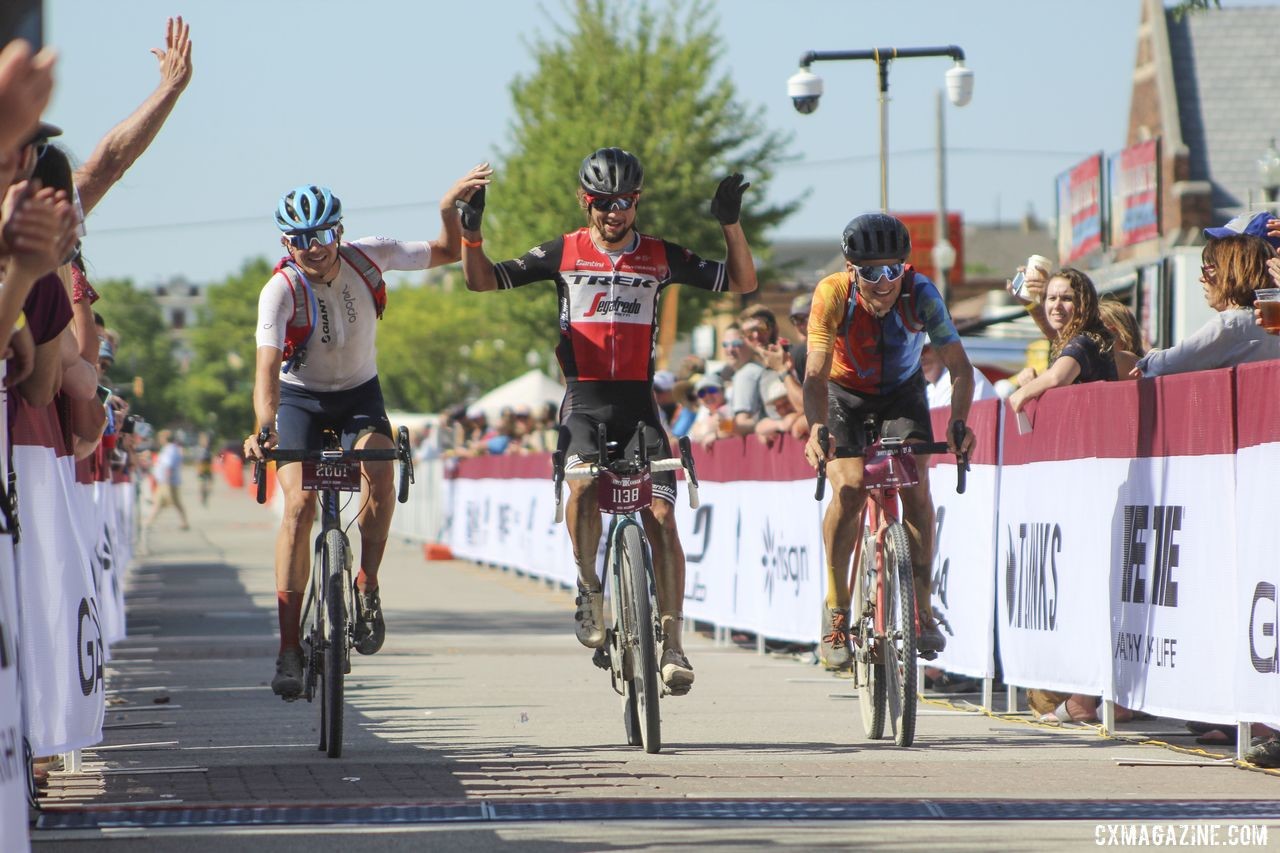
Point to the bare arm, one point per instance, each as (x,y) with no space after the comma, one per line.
(125,142)
(1062,372)
(26,83)
(266,400)
(79,377)
(739,263)
(817,368)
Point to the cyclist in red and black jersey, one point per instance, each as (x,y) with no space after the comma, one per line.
(608,277)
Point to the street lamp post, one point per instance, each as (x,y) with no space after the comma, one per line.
(805,88)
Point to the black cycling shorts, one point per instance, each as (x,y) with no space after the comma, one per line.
(620,406)
(903,412)
(304,415)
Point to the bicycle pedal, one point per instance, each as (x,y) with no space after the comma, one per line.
(679,690)
(931,655)
(601,658)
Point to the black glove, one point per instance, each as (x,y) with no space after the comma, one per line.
(727,204)
(472,210)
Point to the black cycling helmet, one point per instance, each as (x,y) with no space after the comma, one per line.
(611,171)
(872,236)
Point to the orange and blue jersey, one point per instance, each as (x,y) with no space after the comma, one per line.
(876,355)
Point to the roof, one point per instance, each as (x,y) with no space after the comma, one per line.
(1225,63)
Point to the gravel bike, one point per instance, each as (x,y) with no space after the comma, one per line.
(328,635)
(633,642)
(885,625)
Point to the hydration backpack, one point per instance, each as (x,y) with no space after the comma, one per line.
(302,322)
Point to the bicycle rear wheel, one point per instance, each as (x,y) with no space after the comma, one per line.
(900,625)
(335,650)
(871,677)
(640,635)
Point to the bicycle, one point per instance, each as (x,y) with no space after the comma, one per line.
(885,626)
(327,633)
(632,642)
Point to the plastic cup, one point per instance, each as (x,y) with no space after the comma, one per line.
(1268,302)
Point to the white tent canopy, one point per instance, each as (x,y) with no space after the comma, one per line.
(533,389)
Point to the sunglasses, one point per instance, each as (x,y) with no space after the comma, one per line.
(706,392)
(879,271)
(1208,270)
(303,239)
(732,344)
(605,203)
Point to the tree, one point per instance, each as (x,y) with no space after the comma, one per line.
(625,75)
(1186,6)
(218,391)
(145,351)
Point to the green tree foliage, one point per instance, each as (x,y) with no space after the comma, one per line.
(631,76)
(1182,8)
(145,350)
(218,388)
(437,348)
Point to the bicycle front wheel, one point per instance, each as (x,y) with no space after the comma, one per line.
(870,673)
(640,634)
(900,627)
(335,651)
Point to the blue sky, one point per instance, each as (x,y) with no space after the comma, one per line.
(389,102)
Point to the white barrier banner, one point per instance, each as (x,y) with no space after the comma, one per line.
(13,765)
(1254,647)
(60,641)
(1053,566)
(106,565)
(511,523)
(1172,587)
(964,578)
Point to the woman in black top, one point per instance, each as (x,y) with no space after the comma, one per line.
(1081,349)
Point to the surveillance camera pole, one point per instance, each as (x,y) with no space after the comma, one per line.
(882,56)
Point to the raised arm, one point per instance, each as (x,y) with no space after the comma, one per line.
(477,269)
(726,207)
(26,83)
(447,248)
(125,142)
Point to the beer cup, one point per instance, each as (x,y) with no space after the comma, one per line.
(1268,302)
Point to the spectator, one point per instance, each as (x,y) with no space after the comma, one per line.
(1123,326)
(1233,268)
(687,407)
(780,414)
(799,317)
(714,419)
(747,371)
(938,380)
(26,84)
(1080,350)
(664,383)
(691,366)
(167,471)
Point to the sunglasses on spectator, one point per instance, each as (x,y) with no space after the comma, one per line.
(798,319)
(1208,270)
(303,239)
(605,203)
(708,391)
(879,271)
(732,344)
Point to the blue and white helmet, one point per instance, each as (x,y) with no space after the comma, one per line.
(308,207)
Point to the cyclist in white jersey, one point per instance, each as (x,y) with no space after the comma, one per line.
(317,370)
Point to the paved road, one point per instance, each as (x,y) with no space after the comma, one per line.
(484,724)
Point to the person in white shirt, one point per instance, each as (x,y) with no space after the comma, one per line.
(938,381)
(167,472)
(317,370)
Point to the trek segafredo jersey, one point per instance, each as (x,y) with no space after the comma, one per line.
(609,301)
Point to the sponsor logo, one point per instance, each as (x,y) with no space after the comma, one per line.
(783,565)
(1031,576)
(941,567)
(520,263)
(602,305)
(89,655)
(537,252)
(588,264)
(1148,539)
(13,763)
(1164,522)
(694,588)
(701,530)
(350,303)
(605,280)
(1264,644)
(325,336)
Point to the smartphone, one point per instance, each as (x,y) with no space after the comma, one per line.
(104,393)
(22,19)
(1019,281)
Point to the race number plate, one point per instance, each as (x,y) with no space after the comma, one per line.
(885,468)
(339,476)
(620,494)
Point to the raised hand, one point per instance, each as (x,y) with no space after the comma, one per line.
(471,211)
(175,59)
(726,206)
(26,83)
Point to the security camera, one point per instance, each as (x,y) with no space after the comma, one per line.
(960,84)
(804,89)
